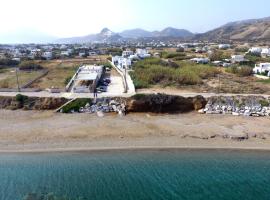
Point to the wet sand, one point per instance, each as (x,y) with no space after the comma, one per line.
(34,131)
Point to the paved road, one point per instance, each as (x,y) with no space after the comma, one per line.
(114,94)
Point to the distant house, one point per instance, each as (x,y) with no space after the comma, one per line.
(142,53)
(82,54)
(255,50)
(127,53)
(265,52)
(224,46)
(47,55)
(92,53)
(200,60)
(64,53)
(237,58)
(262,68)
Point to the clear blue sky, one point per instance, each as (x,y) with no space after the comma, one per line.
(66,18)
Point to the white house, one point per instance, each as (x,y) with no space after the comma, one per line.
(200,60)
(142,53)
(265,52)
(65,53)
(82,54)
(127,53)
(237,58)
(224,46)
(124,63)
(92,53)
(262,68)
(255,50)
(121,62)
(47,55)
(86,79)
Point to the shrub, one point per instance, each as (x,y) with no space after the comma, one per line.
(75,105)
(21,98)
(8,62)
(264,103)
(155,71)
(30,65)
(240,70)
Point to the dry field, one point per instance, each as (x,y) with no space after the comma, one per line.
(8,77)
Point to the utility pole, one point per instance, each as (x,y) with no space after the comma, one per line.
(126,78)
(17,77)
(219,86)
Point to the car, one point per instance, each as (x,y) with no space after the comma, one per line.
(103,84)
(102,89)
(107,80)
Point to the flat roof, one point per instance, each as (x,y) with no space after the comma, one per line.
(88,76)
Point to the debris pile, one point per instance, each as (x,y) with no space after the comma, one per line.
(104,106)
(244,106)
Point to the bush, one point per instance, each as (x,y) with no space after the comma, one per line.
(21,98)
(240,70)
(67,80)
(75,105)
(8,62)
(264,103)
(155,71)
(241,49)
(30,65)
(218,55)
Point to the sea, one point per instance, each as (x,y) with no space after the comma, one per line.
(136,175)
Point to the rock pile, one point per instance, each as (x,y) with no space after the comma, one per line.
(245,106)
(104,106)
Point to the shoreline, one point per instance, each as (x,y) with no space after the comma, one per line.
(120,149)
(45,132)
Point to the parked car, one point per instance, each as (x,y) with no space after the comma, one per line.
(101,89)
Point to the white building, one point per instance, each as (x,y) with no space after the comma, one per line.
(121,62)
(255,50)
(224,46)
(200,60)
(92,53)
(262,68)
(47,55)
(265,52)
(127,53)
(86,79)
(82,54)
(142,53)
(237,58)
(65,53)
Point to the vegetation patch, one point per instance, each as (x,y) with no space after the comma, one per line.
(154,71)
(240,70)
(75,105)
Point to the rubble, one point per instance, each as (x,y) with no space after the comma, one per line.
(104,106)
(238,106)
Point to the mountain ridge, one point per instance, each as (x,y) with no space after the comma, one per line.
(106,35)
(243,30)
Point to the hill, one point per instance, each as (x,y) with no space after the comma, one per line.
(246,30)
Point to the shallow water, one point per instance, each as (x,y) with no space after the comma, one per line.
(128,175)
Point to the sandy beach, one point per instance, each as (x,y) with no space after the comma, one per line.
(34,131)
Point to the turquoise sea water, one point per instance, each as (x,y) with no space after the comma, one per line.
(128,175)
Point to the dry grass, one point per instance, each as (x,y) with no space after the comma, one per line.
(8,78)
(60,70)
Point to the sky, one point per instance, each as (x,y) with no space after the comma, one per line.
(68,18)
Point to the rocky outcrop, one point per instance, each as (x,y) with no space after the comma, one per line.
(161,103)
